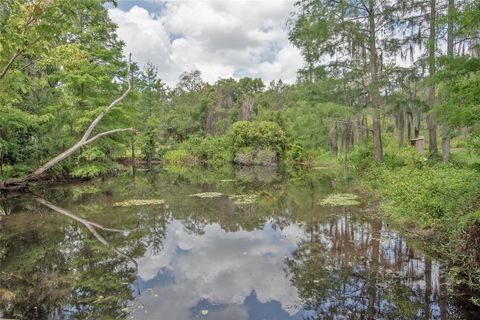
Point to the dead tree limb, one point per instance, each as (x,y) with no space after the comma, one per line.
(86,138)
(89,225)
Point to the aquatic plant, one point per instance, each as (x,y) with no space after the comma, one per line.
(136,202)
(340,199)
(243,199)
(207,195)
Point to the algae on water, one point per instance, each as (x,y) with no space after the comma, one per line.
(136,202)
(207,195)
(340,199)
(243,199)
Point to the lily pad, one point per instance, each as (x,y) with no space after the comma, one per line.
(207,195)
(340,199)
(136,202)
(243,199)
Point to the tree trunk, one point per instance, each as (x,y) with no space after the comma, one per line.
(333,139)
(409,125)
(348,129)
(432,127)
(365,126)
(450,53)
(374,90)
(401,127)
(377,140)
(357,133)
(432,135)
(418,125)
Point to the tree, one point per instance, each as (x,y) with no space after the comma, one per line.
(65,56)
(349,32)
(153,90)
(86,139)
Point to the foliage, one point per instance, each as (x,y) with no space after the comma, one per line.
(261,134)
(178,157)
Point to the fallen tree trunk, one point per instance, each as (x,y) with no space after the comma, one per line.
(22,184)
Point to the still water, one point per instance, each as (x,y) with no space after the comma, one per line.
(230,243)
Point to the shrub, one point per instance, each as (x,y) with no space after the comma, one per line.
(362,157)
(178,156)
(92,169)
(257,134)
(17,171)
(428,194)
(245,156)
(296,154)
(209,149)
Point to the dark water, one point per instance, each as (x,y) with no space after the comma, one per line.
(273,253)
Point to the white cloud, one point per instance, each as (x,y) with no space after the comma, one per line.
(221,267)
(219,38)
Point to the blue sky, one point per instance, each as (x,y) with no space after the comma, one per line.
(221,38)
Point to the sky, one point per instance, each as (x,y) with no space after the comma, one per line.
(221,38)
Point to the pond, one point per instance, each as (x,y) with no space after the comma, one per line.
(226,243)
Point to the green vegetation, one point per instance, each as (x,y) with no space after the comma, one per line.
(432,200)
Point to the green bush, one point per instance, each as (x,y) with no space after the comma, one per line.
(362,157)
(296,154)
(210,149)
(426,195)
(17,171)
(257,134)
(178,156)
(92,169)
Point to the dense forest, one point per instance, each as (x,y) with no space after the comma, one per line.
(377,75)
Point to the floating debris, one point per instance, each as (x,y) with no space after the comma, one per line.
(227,180)
(243,199)
(207,195)
(340,199)
(136,202)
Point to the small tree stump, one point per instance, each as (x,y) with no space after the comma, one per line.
(419,144)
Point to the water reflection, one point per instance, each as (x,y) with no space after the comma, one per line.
(282,256)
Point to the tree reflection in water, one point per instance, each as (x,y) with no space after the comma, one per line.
(281,256)
(359,269)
